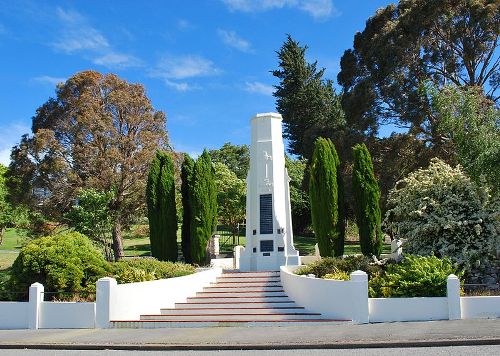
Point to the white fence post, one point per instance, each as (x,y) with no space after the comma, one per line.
(35,299)
(104,293)
(360,297)
(453,294)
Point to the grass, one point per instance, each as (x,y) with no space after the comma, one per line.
(13,239)
(7,259)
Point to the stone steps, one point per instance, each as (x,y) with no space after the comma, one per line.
(235,299)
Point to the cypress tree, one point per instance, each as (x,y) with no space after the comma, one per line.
(162,215)
(186,186)
(324,196)
(203,201)
(366,202)
(338,247)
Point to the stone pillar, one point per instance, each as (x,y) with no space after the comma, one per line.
(104,295)
(359,280)
(396,250)
(453,294)
(35,300)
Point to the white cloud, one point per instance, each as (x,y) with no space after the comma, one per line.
(184,25)
(259,88)
(183,67)
(318,9)
(47,79)
(231,39)
(5,156)
(78,36)
(117,60)
(174,70)
(10,135)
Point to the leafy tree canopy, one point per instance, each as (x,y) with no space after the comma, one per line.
(98,132)
(406,45)
(236,158)
(308,102)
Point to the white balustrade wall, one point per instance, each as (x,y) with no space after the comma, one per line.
(342,300)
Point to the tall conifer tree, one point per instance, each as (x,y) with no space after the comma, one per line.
(366,202)
(324,196)
(162,215)
(187,181)
(203,201)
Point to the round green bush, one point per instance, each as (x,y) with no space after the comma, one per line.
(66,262)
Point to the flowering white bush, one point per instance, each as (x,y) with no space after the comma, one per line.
(440,211)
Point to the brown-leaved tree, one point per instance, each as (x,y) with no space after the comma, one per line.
(98,132)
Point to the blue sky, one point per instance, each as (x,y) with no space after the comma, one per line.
(206,63)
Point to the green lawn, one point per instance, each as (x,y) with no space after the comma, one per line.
(13,239)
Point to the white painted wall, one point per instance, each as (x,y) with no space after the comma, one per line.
(129,301)
(407,309)
(342,300)
(67,315)
(14,315)
(480,307)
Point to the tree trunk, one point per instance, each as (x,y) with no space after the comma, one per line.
(117,240)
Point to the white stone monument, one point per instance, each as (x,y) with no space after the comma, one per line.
(269,237)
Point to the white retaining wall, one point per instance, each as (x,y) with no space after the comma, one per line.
(14,315)
(129,301)
(480,307)
(67,315)
(341,300)
(407,309)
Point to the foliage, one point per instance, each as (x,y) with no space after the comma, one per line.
(366,202)
(186,187)
(162,215)
(231,197)
(66,262)
(324,196)
(148,269)
(91,216)
(203,201)
(440,211)
(338,275)
(405,45)
(347,264)
(414,276)
(473,123)
(236,158)
(308,103)
(299,195)
(98,132)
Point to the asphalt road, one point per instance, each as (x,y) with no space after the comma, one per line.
(434,351)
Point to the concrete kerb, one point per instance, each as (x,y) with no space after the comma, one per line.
(267,346)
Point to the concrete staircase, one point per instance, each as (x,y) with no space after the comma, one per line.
(236,299)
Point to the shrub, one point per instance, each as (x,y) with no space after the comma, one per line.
(187,169)
(347,264)
(203,204)
(440,211)
(326,198)
(147,269)
(66,262)
(162,214)
(339,275)
(414,276)
(366,194)
(140,231)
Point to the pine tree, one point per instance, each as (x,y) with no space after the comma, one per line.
(366,202)
(203,200)
(187,181)
(324,194)
(162,215)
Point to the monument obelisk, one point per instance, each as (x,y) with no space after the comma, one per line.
(269,236)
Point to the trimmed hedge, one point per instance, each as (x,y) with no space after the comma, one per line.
(148,269)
